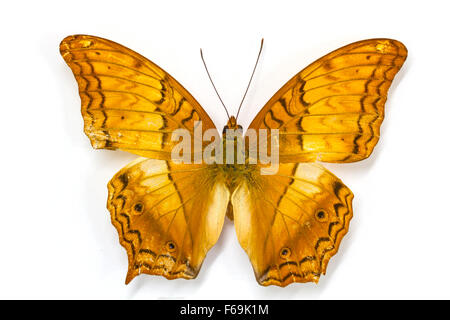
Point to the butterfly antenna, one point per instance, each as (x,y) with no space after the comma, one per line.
(210,79)
(250,81)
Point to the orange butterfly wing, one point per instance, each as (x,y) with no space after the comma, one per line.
(127,101)
(332,110)
(291,223)
(168,216)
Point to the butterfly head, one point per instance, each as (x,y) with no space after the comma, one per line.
(231,125)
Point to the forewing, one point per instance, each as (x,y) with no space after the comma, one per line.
(127,101)
(332,110)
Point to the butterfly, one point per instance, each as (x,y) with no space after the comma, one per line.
(168,214)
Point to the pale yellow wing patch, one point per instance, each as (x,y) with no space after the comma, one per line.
(167,215)
(291,224)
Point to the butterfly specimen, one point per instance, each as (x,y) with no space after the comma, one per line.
(169,214)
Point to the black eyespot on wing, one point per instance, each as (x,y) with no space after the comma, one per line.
(138,208)
(285,253)
(171,246)
(321,215)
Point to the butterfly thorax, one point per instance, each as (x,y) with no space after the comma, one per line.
(232,144)
(235,166)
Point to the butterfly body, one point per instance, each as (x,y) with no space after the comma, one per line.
(168,213)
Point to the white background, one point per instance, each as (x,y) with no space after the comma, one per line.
(56,239)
